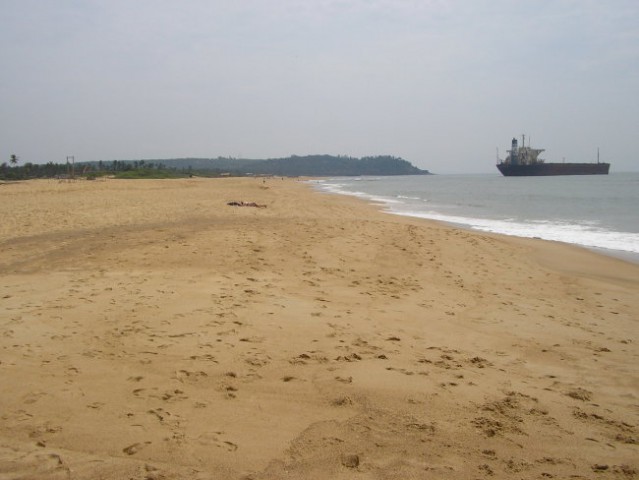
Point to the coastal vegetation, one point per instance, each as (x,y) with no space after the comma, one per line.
(293,166)
(89,170)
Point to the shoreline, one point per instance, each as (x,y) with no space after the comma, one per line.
(150,328)
(387,204)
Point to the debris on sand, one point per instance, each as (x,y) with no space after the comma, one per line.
(245,204)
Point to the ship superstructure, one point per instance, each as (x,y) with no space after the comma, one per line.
(524,155)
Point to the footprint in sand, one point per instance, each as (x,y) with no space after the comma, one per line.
(173,395)
(580,394)
(186,376)
(135,448)
(342,401)
(33,397)
(213,438)
(39,465)
(344,380)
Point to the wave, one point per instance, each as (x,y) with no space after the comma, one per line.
(586,234)
(578,234)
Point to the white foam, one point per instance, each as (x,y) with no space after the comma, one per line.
(587,234)
(407,197)
(338,188)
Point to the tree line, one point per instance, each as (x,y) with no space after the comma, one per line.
(13,170)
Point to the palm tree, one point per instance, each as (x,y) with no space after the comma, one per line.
(13,160)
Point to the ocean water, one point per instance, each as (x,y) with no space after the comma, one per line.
(595,211)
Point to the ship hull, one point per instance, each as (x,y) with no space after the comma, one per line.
(549,169)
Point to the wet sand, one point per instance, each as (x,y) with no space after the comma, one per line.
(149,330)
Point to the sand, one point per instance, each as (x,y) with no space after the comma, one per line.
(151,331)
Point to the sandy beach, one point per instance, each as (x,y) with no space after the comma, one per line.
(149,330)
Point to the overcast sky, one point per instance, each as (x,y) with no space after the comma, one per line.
(442,84)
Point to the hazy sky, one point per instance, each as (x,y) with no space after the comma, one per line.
(439,83)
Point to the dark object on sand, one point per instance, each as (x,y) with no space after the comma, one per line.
(246,204)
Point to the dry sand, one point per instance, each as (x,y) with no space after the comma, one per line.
(151,331)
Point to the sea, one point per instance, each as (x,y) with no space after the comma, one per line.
(600,212)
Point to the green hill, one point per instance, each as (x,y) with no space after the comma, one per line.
(310,165)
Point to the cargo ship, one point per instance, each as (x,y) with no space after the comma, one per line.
(524,161)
